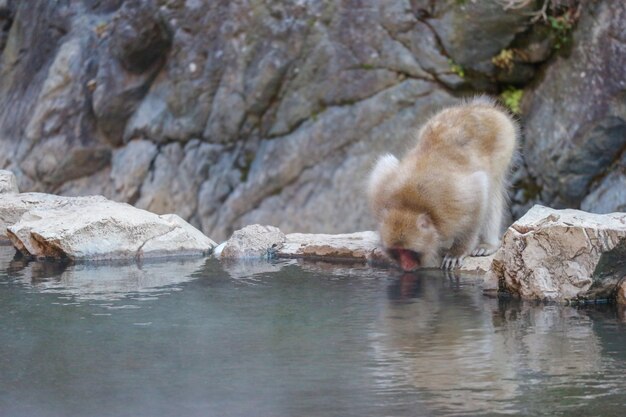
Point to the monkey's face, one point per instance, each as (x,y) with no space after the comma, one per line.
(409,238)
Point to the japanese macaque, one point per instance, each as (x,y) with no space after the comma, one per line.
(449,192)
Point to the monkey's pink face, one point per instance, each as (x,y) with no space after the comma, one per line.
(407,259)
(410,239)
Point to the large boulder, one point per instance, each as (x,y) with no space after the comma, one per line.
(559,255)
(93,228)
(13,207)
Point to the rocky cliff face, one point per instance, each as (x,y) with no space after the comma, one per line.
(576,117)
(237,112)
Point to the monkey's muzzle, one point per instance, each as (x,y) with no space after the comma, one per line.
(407,259)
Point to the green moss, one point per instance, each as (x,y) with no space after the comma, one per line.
(245,165)
(562,27)
(512,97)
(504,59)
(530,189)
(456,68)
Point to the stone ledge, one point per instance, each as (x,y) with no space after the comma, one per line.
(263,242)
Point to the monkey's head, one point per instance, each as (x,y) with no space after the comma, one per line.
(410,238)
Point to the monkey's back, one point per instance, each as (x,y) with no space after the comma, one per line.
(460,152)
(474,136)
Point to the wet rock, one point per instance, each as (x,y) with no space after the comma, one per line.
(361,246)
(555,254)
(478,265)
(8,183)
(94,228)
(254,241)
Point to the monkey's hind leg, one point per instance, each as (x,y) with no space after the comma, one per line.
(491,225)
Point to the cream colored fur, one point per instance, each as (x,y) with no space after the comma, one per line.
(450,189)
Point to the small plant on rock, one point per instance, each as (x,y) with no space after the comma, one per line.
(512,97)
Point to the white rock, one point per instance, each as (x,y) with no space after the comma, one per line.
(476,264)
(98,229)
(217,251)
(362,246)
(258,241)
(13,206)
(253,241)
(552,254)
(8,183)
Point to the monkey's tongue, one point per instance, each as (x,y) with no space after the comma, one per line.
(408,260)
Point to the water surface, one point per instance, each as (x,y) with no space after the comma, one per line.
(196,338)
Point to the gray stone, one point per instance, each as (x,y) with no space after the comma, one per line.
(130,166)
(575,129)
(473,32)
(8,183)
(610,194)
(137,43)
(139,37)
(254,241)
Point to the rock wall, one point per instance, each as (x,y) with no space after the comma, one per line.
(237,112)
(575,117)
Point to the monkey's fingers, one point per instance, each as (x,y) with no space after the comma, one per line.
(484,250)
(452,262)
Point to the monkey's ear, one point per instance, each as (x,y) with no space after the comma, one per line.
(424,221)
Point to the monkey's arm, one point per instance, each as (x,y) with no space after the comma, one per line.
(474,195)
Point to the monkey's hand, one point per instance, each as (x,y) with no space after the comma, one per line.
(451,261)
(484,249)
